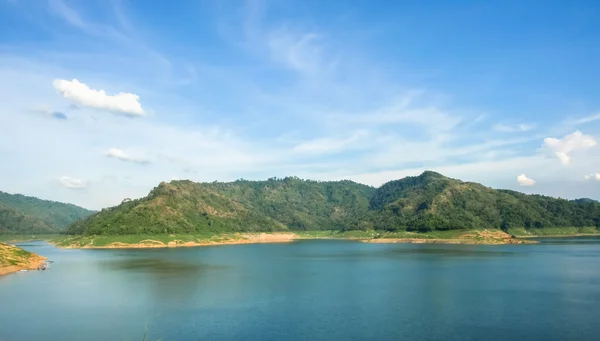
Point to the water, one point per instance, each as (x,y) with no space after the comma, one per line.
(311,290)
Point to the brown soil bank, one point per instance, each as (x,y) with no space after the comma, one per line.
(239,238)
(13,259)
(484,237)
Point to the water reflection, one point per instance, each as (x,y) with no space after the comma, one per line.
(396,250)
(158,266)
(569,240)
(169,281)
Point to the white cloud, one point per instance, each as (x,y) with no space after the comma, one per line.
(595,176)
(513,128)
(73,183)
(523,180)
(123,156)
(76,91)
(568,144)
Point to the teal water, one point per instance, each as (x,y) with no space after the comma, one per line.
(310,290)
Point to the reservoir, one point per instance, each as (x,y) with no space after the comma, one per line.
(309,290)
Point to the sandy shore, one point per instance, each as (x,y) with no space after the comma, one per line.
(242,238)
(447,241)
(483,237)
(12,262)
(479,237)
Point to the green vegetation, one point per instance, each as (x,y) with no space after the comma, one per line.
(14,238)
(21,214)
(240,206)
(430,203)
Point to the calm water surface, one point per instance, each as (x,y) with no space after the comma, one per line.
(310,290)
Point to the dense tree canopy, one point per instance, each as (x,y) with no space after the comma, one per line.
(23,214)
(272,205)
(432,201)
(427,202)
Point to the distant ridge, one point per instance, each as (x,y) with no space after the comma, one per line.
(25,214)
(430,201)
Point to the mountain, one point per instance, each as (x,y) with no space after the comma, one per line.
(23,214)
(271,205)
(426,202)
(432,201)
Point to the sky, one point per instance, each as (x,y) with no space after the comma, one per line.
(103,100)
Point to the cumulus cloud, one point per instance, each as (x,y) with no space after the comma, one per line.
(512,129)
(568,144)
(123,156)
(78,92)
(523,180)
(595,176)
(73,183)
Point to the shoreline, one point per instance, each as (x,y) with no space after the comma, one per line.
(245,238)
(562,235)
(455,241)
(33,262)
(484,237)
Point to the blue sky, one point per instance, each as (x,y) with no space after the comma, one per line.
(102,100)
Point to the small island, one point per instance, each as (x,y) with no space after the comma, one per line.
(13,259)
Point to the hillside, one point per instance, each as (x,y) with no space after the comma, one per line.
(432,201)
(23,214)
(422,203)
(251,206)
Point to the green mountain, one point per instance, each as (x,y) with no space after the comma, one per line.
(23,214)
(432,201)
(272,205)
(427,202)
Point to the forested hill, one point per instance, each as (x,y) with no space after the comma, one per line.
(23,214)
(427,202)
(272,205)
(432,201)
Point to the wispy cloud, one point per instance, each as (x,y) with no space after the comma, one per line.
(587,119)
(123,156)
(299,51)
(329,145)
(123,103)
(295,98)
(513,128)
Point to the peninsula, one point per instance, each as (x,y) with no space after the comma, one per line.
(13,259)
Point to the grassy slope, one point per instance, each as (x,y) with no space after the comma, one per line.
(13,259)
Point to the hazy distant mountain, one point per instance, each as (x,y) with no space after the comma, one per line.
(23,214)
